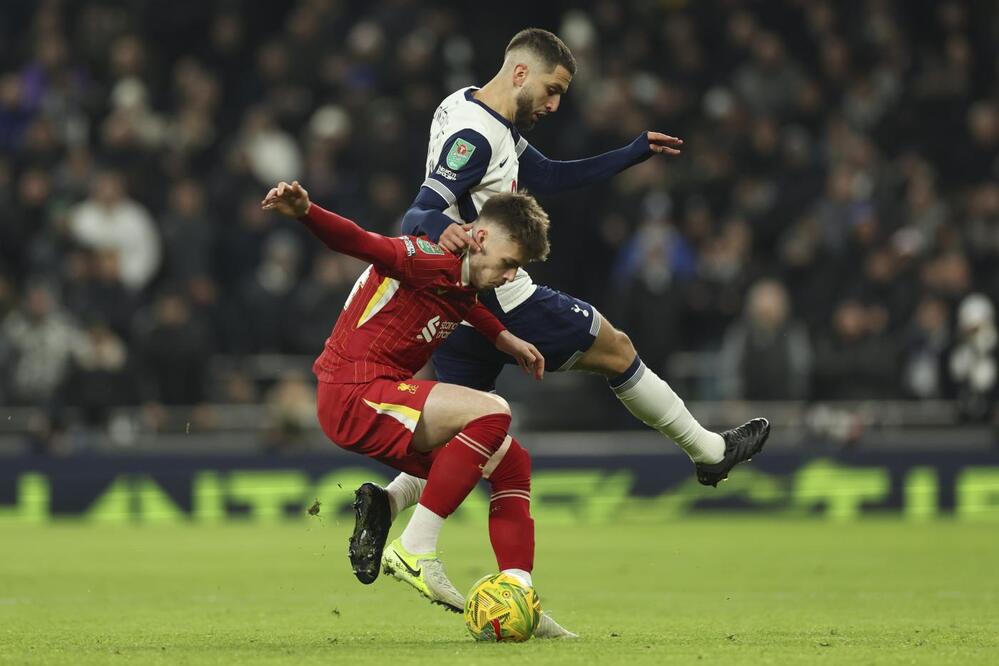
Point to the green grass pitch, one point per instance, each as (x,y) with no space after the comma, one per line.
(733,590)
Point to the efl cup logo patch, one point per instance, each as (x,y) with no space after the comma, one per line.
(461,151)
(427,247)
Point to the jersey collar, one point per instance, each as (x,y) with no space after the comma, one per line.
(470,96)
(466,276)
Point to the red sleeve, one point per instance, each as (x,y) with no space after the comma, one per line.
(485,322)
(344,236)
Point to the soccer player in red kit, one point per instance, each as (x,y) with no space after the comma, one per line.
(405,304)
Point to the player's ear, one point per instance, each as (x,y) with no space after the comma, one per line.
(480,235)
(520,72)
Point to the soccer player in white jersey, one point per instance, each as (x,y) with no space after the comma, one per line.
(476,150)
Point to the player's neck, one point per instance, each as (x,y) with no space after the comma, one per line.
(493,95)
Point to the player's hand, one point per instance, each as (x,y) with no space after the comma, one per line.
(527,355)
(664,143)
(456,238)
(291,200)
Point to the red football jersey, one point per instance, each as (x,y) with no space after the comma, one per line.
(397,314)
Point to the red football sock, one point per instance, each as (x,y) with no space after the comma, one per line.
(511,528)
(458,466)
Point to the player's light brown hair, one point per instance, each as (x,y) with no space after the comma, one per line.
(523,218)
(546,46)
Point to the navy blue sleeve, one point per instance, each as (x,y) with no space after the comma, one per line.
(540,174)
(426,216)
(460,166)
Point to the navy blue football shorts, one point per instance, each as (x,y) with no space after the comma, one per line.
(560,326)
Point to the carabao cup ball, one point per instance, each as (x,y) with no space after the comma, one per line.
(501,608)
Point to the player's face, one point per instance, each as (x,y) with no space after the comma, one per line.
(540,95)
(498,261)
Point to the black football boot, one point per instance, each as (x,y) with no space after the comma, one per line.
(372,521)
(741,444)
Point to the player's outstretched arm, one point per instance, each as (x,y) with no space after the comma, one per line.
(540,174)
(338,233)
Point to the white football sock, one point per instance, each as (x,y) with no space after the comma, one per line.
(655,404)
(521,575)
(404,491)
(420,535)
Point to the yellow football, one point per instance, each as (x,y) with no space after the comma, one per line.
(501,608)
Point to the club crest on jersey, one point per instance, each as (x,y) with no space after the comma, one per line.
(427,247)
(461,151)
(407,388)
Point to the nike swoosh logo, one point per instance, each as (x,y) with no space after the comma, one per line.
(503,162)
(411,570)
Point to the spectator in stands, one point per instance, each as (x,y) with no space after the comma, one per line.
(101,377)
(109,220)
(925,345)
(7,297)
(318,300)
(724,271)
(857,360)
(41,337)
(767,354)
(272,153)
(173,351)
(188,233)
(290,414)
(264,295)
(973,359)
(25,223)
(982,225)
(769,81)
(650,266)
(95,291)
(982,156)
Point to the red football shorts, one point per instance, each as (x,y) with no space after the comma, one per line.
(377,420)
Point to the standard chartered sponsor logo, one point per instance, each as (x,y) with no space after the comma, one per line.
(437,328)
(430,330)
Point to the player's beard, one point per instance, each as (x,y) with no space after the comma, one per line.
(523,118)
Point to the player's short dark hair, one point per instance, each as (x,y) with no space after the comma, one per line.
(545,45)
(521,216)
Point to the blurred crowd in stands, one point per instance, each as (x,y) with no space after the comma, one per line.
(831,229)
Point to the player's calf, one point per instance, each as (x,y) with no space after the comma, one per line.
(647,396)
(511,528)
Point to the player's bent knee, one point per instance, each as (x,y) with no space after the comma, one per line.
(484,404)
(498,405)
(621,352)
(624,346)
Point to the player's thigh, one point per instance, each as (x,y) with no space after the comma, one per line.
(376,419)
(448,409)
(611,353)
(560,325)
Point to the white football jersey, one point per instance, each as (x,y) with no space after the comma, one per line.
(473,154)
